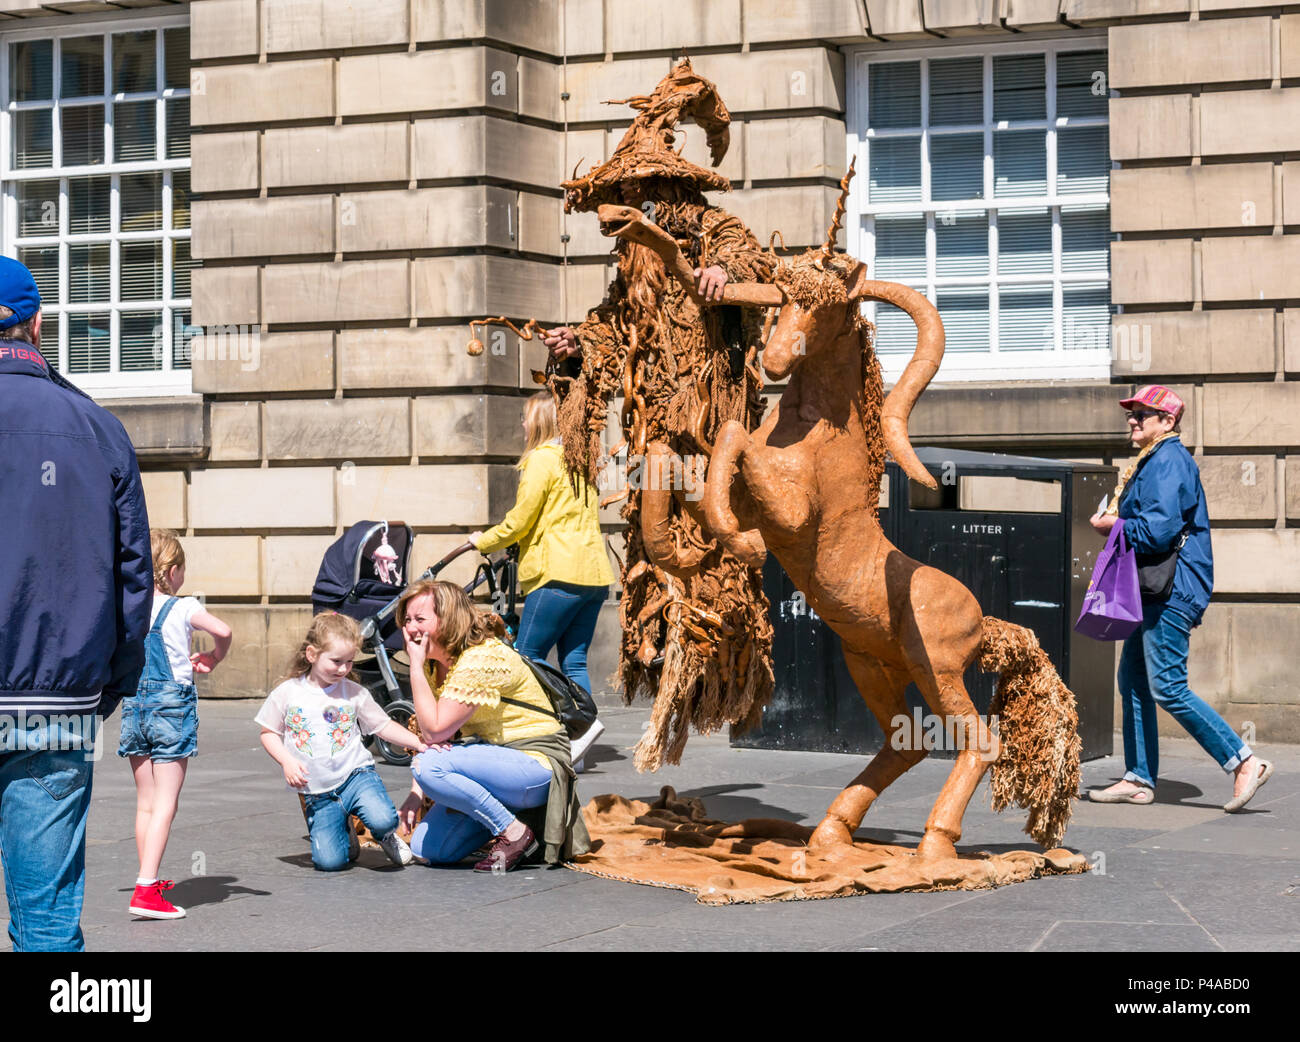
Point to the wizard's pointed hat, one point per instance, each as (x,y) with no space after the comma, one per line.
(647,148)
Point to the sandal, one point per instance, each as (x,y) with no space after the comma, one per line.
(1264,773)
(1141,796)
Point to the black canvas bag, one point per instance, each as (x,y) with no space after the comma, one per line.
(572,706)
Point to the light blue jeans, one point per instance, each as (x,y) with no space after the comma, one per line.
(1153,671)
(476,790)
(45,774)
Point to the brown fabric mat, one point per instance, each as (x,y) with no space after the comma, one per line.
(672,843)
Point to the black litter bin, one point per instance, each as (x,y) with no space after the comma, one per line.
(1023,547)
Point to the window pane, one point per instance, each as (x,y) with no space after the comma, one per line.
(134,62)
(1081,84)
(1020,87)
(83,135)
(140,273)
(82,67)
(176,60)
(900,248)
(31,70)
(965,314)
(33,139)
(1025,318)
(38,208)
(1082,160)
(894,93)
(49,346)
(1085,239)
(182,265)
(895,170)
(1019,163)
(1087,316)
(43,263)
(895,330)
(88,273)
(957,166)
(88,343)
(141,345)
(180,199)
(89,202)
(1024,242)
(141,202)
(961,244)
(178,128)
(183,335)
(956,91)
(135,131)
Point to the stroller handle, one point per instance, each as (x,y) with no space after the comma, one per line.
(464,548)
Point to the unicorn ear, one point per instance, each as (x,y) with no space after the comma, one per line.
(857,281)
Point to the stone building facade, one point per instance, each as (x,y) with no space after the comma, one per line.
(369,176)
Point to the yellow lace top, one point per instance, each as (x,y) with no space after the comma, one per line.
(481,676)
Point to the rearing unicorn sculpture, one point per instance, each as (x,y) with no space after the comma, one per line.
(805,486)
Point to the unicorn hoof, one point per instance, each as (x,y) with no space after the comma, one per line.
(935,846)
(829,835)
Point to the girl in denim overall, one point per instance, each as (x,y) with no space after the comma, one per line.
(160,724)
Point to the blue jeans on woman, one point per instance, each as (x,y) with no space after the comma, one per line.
(476,790)
(1153,671)
(562,615)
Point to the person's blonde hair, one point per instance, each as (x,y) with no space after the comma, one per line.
(167,552)
(326,628)
(540,424)
(460,624)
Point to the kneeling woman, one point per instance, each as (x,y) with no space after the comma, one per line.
(512,754)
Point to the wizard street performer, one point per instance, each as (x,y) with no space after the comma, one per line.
(696,635)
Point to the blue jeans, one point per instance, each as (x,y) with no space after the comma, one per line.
(565,615)
(45,774)
(475,790)
(362,794)
(1153,671)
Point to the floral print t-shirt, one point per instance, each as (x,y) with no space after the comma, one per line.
(323,728)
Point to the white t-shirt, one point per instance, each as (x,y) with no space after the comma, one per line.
(323,728)
(176,633)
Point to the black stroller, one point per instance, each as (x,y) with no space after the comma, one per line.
(362,574)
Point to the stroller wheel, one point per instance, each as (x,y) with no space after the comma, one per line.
(403,712)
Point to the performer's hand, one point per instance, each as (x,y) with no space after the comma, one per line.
(562,342)
(709,282)
(1103,523)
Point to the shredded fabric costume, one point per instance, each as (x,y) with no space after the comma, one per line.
(695,636)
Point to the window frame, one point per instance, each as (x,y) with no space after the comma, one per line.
(115,383)
(1057,363)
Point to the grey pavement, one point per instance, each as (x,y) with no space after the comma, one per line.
(1177,875)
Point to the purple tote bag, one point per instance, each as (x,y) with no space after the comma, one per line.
(1112,607)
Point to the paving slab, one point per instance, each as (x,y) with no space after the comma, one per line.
(1179,874)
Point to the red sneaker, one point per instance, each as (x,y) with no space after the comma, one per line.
(148,901)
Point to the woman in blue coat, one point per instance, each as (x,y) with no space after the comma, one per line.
(1162,504)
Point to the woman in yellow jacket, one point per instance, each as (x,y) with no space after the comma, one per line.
(563,571)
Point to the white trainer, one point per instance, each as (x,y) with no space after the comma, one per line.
(578,748)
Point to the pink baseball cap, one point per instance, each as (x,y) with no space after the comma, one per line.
(1156,397)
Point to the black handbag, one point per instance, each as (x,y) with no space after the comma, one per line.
(570,703)
(1156,571)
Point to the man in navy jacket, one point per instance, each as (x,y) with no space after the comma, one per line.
(76,581)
